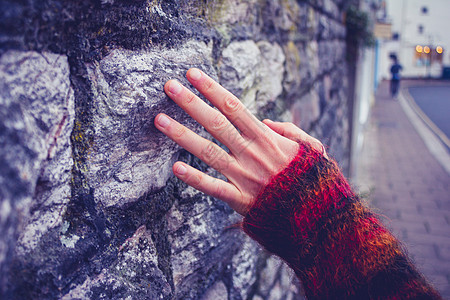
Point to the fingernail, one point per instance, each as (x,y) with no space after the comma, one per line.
(163,121)
(181,170)
(195,74)
(175,87)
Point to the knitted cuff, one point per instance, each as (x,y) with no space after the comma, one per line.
(290,207)
(309,216)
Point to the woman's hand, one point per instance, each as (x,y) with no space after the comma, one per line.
(257,150)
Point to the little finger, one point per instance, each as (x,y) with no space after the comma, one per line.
(214,187)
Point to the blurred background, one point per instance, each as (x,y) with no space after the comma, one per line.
(401,143)
(415,33)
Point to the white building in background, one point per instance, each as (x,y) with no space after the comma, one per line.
(420,37)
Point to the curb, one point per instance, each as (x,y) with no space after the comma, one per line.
(435,140)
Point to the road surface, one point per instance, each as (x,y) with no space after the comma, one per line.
(434,101)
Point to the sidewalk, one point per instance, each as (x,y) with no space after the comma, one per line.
(408,188)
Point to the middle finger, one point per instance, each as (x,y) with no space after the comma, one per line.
(212,119)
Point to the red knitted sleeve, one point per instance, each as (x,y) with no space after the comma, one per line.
(309,216)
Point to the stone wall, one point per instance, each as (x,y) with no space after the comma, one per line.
(89,207)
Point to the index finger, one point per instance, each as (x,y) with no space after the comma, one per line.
(227,103)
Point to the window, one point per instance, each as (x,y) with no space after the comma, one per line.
(424,10)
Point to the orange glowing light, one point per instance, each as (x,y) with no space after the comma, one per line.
(419,48)
(426,49)
(439,49)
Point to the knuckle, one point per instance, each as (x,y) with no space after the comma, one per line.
(208,85)
(232,104)
(318,145)
(291,127)
(179,131)
(209,152)
(316,142)
(219,122)
(190,98)
(195,180)
(219,191)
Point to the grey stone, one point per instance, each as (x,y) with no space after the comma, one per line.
(288,12)
(331,8)
(253,72)
(287,277)
(244,267)
(270,73)
(128,89)
(216,292)
(276,292)
(237,65)
(196,226)
(269,274)
(290,284)
(36,106)
(232,12)
(302,68)
(306,110)
(135,274)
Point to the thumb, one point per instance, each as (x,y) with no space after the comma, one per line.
(287,129)
(292,132)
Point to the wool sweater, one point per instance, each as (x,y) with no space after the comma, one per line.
(309,216)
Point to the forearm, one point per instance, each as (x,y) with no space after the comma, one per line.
(309,216)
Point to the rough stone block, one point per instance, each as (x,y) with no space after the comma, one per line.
(306,110)
(128,156)
(217,291)
(253,72)
(36,107)
(244,268)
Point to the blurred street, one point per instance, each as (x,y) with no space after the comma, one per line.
(434,101)
(407,186)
